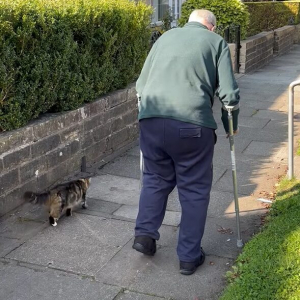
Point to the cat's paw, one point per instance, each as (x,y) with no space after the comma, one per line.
(84,205)
(54,224)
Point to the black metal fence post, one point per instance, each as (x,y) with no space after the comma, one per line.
(237,49)
(226,34)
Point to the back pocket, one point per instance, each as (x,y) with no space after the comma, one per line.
(186,133)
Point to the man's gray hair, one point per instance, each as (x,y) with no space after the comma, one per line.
(199,15)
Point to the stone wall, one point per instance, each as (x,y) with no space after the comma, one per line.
(297,34)
(259,49)
(256,51)
(283,39)
(43,153)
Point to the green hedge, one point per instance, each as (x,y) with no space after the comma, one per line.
(267,16)
(55,55)
(227,12)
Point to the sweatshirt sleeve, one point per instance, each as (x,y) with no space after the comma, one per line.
(228,90)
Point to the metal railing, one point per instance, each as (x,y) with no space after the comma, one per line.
(291,129)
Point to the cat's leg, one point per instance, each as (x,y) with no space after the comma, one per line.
(69,212)
(54,214)
(84,204)
(53,221)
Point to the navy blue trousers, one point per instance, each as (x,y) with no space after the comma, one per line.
(176,153)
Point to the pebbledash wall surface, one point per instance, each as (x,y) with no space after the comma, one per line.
(48,150)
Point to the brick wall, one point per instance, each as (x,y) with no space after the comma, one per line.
(47,150)
(283,39)
(297,34)
(260,49)
(256,51)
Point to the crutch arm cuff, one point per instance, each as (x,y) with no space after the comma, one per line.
(231,107)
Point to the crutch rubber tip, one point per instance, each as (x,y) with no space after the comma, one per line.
(240,243)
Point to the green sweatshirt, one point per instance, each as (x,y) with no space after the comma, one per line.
(181,74)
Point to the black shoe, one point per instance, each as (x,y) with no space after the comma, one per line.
(145,245)
(188,268)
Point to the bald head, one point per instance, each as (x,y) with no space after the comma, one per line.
(204,17)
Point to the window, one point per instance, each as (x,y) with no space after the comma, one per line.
(163,8)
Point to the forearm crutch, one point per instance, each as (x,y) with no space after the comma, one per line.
(141,154)
(234,177)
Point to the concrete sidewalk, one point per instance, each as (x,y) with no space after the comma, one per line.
(89,256)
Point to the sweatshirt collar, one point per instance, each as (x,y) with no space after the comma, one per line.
(195,24)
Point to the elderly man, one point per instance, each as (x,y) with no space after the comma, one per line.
(176,87)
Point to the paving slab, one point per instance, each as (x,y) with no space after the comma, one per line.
(128,211)
(121,190)
(21,283)
(21,227)
(130,262)
(241,142)
(269,134)
(161,277)
(270,115)
(252,122)
(116,189)
(126,165)
(135,151)
(220,236)
(7,245)
(222,204)
(260,148)
(274,103)
(252,179)
(97,205)
(127,295)
(223,158)
(81,244)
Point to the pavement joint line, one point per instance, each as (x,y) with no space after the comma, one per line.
(113,217)
(122,205)
(15,248)
(240,194)
(90,213)
(143,294)
(267,123)
(43,268)
(241,211)
(113,174)
(9,238)
(223,174)
(116,254)
(107,216)
(219,256)
(120,292)
(247,146)
(95,199)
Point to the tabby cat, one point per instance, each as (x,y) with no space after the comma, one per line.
(62,199)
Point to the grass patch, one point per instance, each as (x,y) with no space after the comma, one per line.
(269,267)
